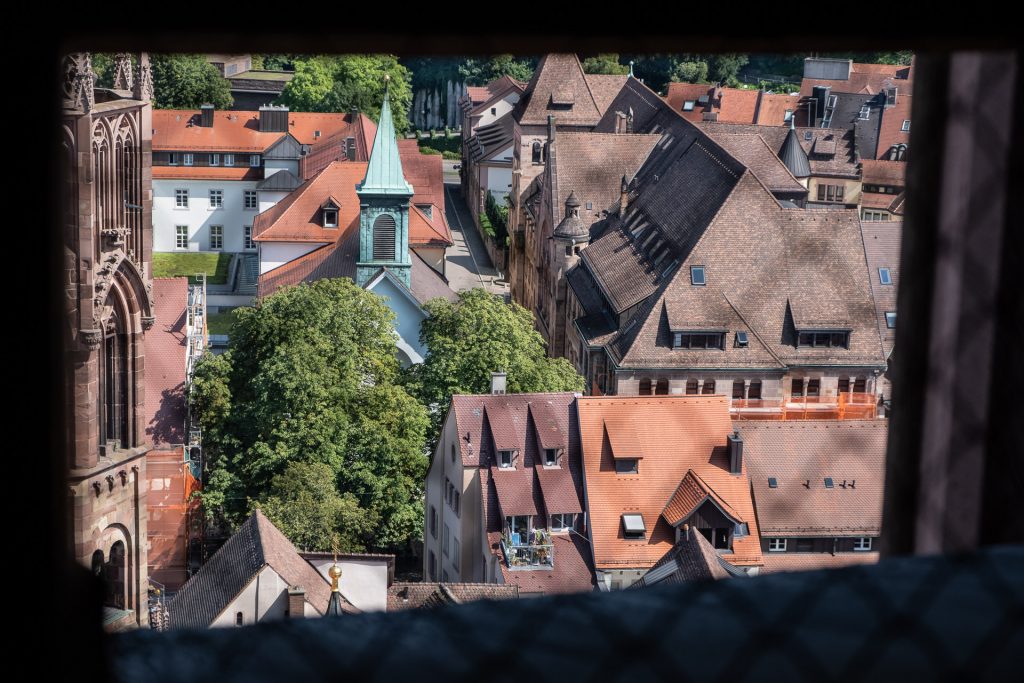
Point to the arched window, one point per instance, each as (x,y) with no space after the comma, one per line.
(114,384)
(384,238)
(97,564)
(115,576)
(709,387)
(662,387)
(645,386)
(238,618)
(538,153)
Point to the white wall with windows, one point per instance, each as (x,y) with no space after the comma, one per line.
(275,254)
(198,205)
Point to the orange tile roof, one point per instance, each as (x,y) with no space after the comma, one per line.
(680,434)
(679,93)
(208,172)
(237,131)
(333,147)
(772,109)
(891,132)
(690,495)
(737,106)
(866,79)
(296,218)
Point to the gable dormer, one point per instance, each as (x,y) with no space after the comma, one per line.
(552,441)
(330,211)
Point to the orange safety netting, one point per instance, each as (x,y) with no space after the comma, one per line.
(847,406)
(174,516)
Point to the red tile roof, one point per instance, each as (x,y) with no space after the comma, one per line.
(771,110)
(882,241)
(891,132)
(866,79)
(737,106)
(691,494)
(680,93)
(571,573)
(333,147)
(680,434)
(805,562)
(884,172)
(208,172)
(165,363)
(799,456)
(297,217)
(237,131)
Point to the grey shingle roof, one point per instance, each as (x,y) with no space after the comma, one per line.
(754,152)
(256,544)
(882,248)
(560,88)
(690,559)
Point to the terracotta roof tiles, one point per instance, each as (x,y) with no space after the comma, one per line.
(680,433)
(799,456)
(775,563)
(237,131)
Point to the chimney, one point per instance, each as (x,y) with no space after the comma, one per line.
(551,128)
(296,602)
(735,453)
(350,148)
(498,382)
(206,115)
(273,119)
(623,197)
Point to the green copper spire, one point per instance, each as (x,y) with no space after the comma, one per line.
(384,172)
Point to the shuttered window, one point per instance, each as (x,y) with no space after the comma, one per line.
(384,238)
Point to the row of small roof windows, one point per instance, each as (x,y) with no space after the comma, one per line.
(506,458)
(829,482)
(716,340)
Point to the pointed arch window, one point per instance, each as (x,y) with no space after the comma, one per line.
(384,238)
(114,385)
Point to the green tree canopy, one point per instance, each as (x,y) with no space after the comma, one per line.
(477,335)
(310,378)
(188,81)
(483,70)
(605,64)
(691,72)
(338,83)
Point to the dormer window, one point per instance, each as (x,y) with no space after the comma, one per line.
(633,527)
(550,457)
(824,339)
(697,340)
(330,218)
(627,466)
(505,460)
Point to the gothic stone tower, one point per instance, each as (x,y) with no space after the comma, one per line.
(384,208)
(108,234)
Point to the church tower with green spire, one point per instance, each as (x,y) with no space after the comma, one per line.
(384,207)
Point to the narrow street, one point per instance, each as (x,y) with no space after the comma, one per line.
(468,264)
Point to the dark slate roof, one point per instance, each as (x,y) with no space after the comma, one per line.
(280,181)
(794,156)
(692,558)
(402,596)
(882,248)
(491,139)
(799,455)
(256,544)
(597,323)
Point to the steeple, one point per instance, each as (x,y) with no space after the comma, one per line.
(793,155)
(384,207)
(334,606)
(384,172)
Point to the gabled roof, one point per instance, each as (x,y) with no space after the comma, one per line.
(279,181)
(237,131)
(482,97)
(680,434)
(842,163)
(869,79)
(691,494)
(403,595)
(255,545)
(333,147)
(882,247)
(756,155)
(491,139)
(692,558)
(297,217)
(165,363)
(799,456)
(339,260)
(560,88)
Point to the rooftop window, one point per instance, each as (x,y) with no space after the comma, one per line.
(906,126)
(505,459)
(330,218)
(890,319)
(829,484)
(550,457)
(773,483)
(741,339)
(688,105)
(788,116)
(824,339)
(633,526)
(884,276)
(627,465)
(697,340)
(697,275)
